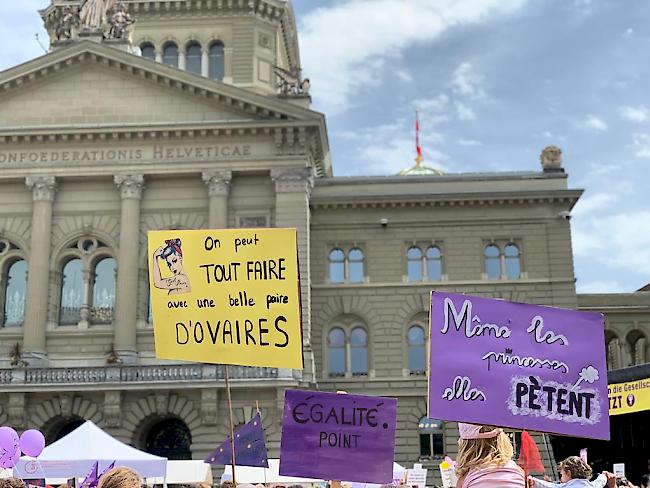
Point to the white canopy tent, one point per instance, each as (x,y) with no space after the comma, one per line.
(185,472)
(74,455)
(247,474)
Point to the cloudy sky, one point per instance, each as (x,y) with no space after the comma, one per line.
(496,81)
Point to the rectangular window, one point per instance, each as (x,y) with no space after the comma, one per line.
(252,221)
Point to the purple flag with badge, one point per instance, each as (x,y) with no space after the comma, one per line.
(517,365)
(250,448)
(338,437)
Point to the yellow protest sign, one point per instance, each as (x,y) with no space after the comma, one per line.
(630,397)
(226,296)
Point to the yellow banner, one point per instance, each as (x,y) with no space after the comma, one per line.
(630,397)
(226,296)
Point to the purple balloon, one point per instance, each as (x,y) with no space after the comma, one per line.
(9,449)
(32,442)
(8,439)
(9,459)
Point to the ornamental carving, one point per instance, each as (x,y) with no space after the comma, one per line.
(289,180)
(16,409)
(112,408)
(43,187)
(130,185)
(209,407)
(218,182)
(121,24)
(551,158)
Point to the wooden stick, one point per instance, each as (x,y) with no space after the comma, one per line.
(232,428)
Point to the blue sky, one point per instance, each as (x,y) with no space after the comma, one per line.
(496,81)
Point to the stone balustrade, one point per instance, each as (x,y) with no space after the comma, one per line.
(121,374)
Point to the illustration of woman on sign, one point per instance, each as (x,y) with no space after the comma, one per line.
(172,253)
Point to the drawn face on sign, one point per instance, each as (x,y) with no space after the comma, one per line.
(172,253)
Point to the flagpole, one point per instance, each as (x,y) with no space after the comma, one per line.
(232,427)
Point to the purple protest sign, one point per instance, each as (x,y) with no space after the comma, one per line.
(338,437)
(516,365)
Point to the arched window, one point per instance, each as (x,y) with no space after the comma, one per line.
(170,438)
(170,54)
(103,297)
(15,282)
(217,64)
(193,58)
(337,266)
(336,363)
(414,264)
(512,264)
(355,258)
(148,51)
(613,349)
(493,261)
(72,293)
(417,353)
(359,351)
(637,343)
(434,263)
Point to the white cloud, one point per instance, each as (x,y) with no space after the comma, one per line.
(635,114)
(19,23)
(595,123)
(467,82)
(641,145)
(404,75)
(469,142)
(620,241)
(464,112)
(591,203)
(629,32)
(346,46)
(600,287)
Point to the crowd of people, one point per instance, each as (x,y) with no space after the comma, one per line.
(485,460)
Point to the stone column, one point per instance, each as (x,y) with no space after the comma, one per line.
(126,300)
(292,191)
(218,183)
(43,188)
(205,63)
(159,58)
(181,59)
(227,65)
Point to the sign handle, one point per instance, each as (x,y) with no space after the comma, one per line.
(232,427)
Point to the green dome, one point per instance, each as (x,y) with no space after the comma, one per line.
(419,169)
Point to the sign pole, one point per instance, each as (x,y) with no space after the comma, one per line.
(232,427)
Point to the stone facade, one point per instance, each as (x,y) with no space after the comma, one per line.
(99,146)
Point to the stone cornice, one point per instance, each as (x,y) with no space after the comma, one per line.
(569,197)
(264,113)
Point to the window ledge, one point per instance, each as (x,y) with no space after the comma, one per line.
(9,331)
(428,284)
(73,330)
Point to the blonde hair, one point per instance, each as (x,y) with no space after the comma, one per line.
(120,477)
(473,453)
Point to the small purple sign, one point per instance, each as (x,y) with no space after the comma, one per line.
(338,437)
(516,365)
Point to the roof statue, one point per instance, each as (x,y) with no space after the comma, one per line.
(290,82)
(93,14)
(551,159)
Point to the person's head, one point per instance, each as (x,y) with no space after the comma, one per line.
(645,481)
(119,477)
(12,483)
(173,255)
(573,468)
(479,445)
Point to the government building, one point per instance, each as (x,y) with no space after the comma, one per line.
(192,114)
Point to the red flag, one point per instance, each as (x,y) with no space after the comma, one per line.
(418,148)
(529,458)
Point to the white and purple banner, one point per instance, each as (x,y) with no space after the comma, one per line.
(517,365)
